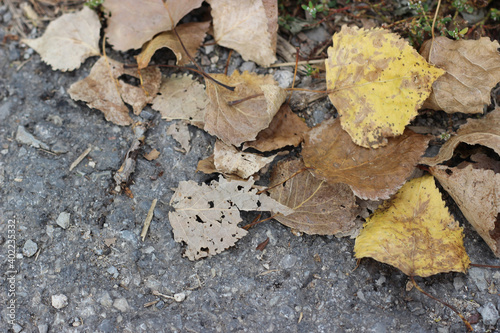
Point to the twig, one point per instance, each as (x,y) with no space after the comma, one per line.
(148,219)
(80,158)
(305,62)
(294,74)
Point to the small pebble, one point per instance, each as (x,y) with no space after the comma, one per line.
(179,297)
(489,313)
(248,66)
(121,304)
(59,301)
(29,248)
(63,220)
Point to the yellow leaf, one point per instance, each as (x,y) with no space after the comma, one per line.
(414,232)
(377,83)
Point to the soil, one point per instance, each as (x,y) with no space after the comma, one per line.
(97,275)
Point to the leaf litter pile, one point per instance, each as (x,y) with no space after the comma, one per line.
(367,156)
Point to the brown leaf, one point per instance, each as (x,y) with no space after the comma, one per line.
(131,23)
(477,194)
(484,131)
(103,91)
(69,40)
(152,155)
(271,8)
(192,35)
(228,160)
(181,97)
(207,165)
(472,70)
(371,173)
(320,208)
(243,26)
(286,129)
(206,217)
(235,124)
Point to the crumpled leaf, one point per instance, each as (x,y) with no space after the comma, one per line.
(235,124)
(472,70)
(131,23)
(192,35)
(182,98)
(414,232)
(228,160)
(371,173)
(103,91)
(180,132)
(484,131)
(378,83)
(69,40)
(206,217)
(320,208)
(243,26)
(477,194)
(286,129)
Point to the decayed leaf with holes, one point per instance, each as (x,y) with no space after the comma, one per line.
(477,194)
(235,124)
(378,83)
(371,173)
(414,232)
(286,129)
(182,98)
(484,131)
(228,160)
(206,217)
(69,40)
(192,35)
(472,70)
(132,23)
(103,90)
(320,208)
(243,26)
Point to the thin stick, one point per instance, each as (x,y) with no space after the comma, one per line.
(80,158)
(467,324)
(227,61)
(294,73)
(485,266)
(147,222)
(238,101)
(248,226)
(304,62)
(432,29)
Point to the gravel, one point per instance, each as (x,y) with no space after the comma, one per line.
(97,275)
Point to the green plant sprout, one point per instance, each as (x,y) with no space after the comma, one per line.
(94,4)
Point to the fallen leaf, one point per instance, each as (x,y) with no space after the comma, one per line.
(414,232)
(243,26)
(320,208)
(484,131)
(477,194)
(377,82)
(182,98)
(228,160)
(69,40)
(192,35)
(235,124)
(131,23)
(207,165)
(103,91)
(271,8)
(471,72)
(180,132)
(286,129)
(206,217)
(122,175)
(152,155)
(371,173)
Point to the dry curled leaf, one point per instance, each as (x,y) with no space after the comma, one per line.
(192,35)
(472,70)
(286,129)
(477,194)
(371,173)
(131,23)
(320,208)
(235,124)
(228,160)
(182,98)
(414,232)
(206,217)
(243,26)
(103,90)
(377,82)
(69,40)
(484,131)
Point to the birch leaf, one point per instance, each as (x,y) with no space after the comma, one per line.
(69,40)
(378,83)
(414,232)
